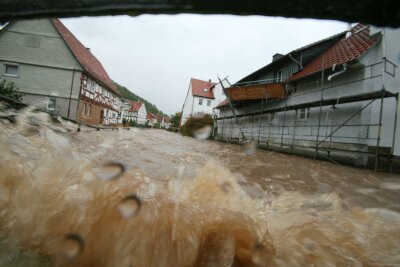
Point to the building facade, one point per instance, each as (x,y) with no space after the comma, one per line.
(135,111)
(56,72)
(341,104)
(202,97)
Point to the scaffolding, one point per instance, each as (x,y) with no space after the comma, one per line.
(320,140)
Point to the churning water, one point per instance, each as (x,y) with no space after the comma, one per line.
(143,198)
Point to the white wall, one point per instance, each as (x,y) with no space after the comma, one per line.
(142,114)
(191,107)
(310,91)
(187,105)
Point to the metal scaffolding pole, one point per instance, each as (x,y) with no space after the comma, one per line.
(394,132)
(320,106)
(230,105)
(346,121)
(283,124)
(259,124)
(222,130)
(378,141)
(294,130)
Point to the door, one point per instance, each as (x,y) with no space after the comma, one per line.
(101,116)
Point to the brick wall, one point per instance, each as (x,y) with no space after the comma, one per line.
(95,113)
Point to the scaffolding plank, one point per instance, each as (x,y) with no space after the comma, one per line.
(323,102)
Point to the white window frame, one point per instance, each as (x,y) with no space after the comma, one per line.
(49,99)
(208,102)
(200,101)
(304,112)
(13,65)
(84,109)
(279,75)
(88,109)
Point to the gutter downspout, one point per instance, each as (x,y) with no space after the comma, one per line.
(70,93)
(296,61)
(338,73)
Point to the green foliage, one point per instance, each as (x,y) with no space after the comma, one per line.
(157,125)
(132,123)
(195,123)
(126,93)
(9,89)
(175,119)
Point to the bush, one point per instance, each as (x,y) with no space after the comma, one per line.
(9,89)
(132,123)
(195,123)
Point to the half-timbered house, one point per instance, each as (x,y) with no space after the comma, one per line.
(56,72)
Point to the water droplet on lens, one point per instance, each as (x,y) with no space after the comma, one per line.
(226,187)
(129,206)
(203,133)
(73,245)
(309,245)
(110,170)
(259,255)
(249,148)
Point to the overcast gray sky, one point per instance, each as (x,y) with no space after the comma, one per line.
(156,55)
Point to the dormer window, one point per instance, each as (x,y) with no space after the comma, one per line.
(205,90)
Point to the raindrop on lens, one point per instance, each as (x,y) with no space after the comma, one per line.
(110,170)
(73,245)
(226,187)
(249,148)
(203,133)
(259,255)
(129,206)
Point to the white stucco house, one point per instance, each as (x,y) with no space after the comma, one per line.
(201,98)
(336,99)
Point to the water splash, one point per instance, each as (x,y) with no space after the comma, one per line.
(199,214)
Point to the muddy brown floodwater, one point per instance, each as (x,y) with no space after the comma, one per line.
(66,201)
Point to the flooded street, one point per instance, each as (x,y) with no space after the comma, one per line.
(184,202)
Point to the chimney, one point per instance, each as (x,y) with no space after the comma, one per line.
(348,33)
(276,57)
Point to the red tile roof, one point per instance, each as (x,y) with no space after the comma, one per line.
(135,105)
(150,116)
(88,61)
(199,86)
(345,50)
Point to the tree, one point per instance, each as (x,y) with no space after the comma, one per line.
(10,90)
(175,119)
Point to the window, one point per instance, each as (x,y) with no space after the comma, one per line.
(279,76)
(208,102)
(200,101)
(88,109)
(84,109)
(304,113)
(51,103)
(11,70)
(205,90)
